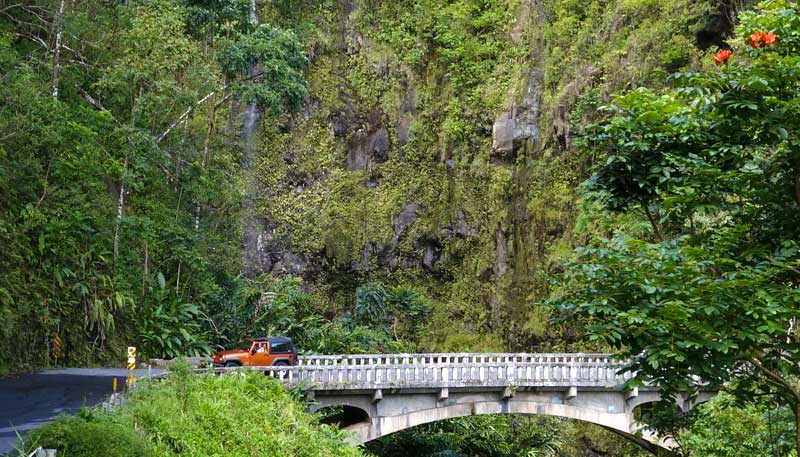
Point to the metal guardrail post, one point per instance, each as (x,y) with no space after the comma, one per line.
(41,452)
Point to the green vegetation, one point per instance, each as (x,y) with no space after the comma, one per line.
(241,413)
(384,209)
(267,306)
(501,436)
(711,292)
(117,204)
(723,428)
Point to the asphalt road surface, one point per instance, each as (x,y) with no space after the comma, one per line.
(28,401)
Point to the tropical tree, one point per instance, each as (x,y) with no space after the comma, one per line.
(713,163)
(110,155)
(724,427)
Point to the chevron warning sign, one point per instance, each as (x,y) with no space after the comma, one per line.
(56,347)
(131,357)
(131,365)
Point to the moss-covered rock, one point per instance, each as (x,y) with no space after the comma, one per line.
(466,110)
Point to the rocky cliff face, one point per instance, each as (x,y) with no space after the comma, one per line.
(435,150)
(518,127)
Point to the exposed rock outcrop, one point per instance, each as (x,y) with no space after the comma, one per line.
(408,111)
(519,126)
(268,253)
(365,149)
(431,254)
(460,228)
(404,219)
(385,254)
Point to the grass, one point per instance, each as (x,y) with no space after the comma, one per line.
(240,413)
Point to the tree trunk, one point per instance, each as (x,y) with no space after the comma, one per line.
(206,142)
(59,26)
(253,12)
(145,270)
(652,220)
(178,281)
(120,208)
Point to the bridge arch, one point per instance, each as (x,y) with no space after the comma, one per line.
(620,423)
(344,415)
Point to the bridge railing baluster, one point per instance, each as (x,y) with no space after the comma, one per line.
(573,369)
(453,370)
(559,370)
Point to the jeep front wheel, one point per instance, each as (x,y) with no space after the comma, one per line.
(231,364)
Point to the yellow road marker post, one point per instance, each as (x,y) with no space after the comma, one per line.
(56,348)
(131,381)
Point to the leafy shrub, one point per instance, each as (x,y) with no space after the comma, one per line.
(237,414)
(171,328)
(245,308)
(723,428)
(371,306)
(88,435)
(490,436)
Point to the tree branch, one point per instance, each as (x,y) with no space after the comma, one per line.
(46,184)
(30,10)
(223,100)
(93,101)
(201,101)
(183,116)
(20,21)
(35,39)
(775,378)
(3,10)
(652,220)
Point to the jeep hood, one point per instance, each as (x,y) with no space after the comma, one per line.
(231,352)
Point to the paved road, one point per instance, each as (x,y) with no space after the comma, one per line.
(28,401)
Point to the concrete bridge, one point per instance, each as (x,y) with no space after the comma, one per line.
(383,394)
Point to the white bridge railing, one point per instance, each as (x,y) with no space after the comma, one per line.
(465,358)
(388,371)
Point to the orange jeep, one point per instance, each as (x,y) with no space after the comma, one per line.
(278,351)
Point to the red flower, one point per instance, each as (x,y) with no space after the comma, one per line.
(755,40)
(722,56)
(768,38)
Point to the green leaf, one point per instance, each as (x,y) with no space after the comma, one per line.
(649,116)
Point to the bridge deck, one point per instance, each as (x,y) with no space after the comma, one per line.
(419,371)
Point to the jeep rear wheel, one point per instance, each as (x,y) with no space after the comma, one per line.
(281,363)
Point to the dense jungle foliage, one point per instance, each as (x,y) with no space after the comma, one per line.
(416,175)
